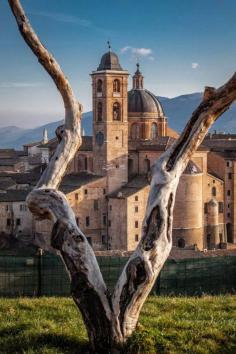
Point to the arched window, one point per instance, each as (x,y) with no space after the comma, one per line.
(135,131)
(116,85)
(181,243)
(116,111)
(99,112)
(213,191)
(154,131)
(99,85)
(146,165)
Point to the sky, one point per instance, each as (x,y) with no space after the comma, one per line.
(182,46)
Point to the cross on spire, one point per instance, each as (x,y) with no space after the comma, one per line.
(109,45)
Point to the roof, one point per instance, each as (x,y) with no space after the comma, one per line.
(161,143)
(87,144)
(34,143)
(109,61)
(143,101)
(74,181)
(14,195)
(30,178)
(132,187)
(192,169)
(6,183)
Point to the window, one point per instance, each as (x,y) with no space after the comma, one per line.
(136,224)
(116,85)
(99,85)
(136,198)
(104,239)
(205,208)
(181,243)
(89,240)
(7,207)
(221,238)
(104,191)
(213,191)
(109,223)
(86,163)
(135,133)
(154,131)
(110,207)
(136,209)
(230,175)
(85,191)
(228,215)
(77,221)
(146,165)
(228,192)
(228,206)
(18,222)
(76,196)
(116,111)
(136,238)
(221,207)
(104,219)
(229,164)
(95,204)
(99,112)
(87,221)
(8,222)
(23,207)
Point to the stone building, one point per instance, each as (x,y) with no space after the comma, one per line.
(106,183)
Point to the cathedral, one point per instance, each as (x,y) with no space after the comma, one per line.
(107,181)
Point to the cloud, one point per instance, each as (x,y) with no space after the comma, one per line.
(20,84)
(195,65)
(138,52)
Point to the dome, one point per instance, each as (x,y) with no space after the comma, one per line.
(143,101)
(109,61)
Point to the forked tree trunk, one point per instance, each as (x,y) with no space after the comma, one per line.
(111,318)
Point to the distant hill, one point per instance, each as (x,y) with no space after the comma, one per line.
(178,110)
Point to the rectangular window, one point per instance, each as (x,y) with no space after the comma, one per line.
(136,224)
(221,207)
(104,239)
(90,240)
(104,219)
(77,221)
(228,192)
(229,175)
(7,207)
(87,221)
(136,209)
(228,215)
(136,238)
(76,196)
(18,222)
(104,191)
(85,191)
(136,198)
(95,204)
(110,207)
(8,222)
(109,223)
(205,208)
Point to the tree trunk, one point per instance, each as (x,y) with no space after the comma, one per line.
(111,318)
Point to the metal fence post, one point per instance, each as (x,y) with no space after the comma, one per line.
(40,263)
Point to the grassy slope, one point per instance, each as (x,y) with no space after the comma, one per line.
(173,325)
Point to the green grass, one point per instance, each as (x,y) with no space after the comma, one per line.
(167,325)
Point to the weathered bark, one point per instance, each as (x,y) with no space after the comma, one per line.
(111,319)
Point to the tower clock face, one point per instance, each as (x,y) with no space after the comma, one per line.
(99,138)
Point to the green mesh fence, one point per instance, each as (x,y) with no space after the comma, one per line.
(46,275)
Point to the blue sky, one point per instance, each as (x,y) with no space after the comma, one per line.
(182,47)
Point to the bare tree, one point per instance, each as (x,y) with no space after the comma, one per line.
(111,318)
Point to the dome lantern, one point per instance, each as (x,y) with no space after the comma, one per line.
(138,79)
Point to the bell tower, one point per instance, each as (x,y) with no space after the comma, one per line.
(110,121)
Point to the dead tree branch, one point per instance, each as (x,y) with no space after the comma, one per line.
(110,320)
